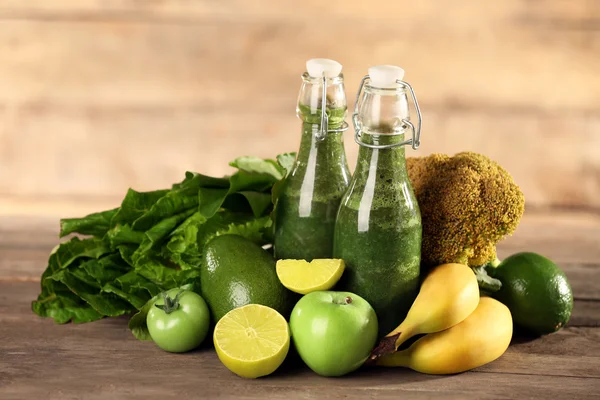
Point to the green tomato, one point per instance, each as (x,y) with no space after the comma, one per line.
(334,332)
(178,321)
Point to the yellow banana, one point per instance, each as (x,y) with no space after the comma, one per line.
(481,338)
(448,295)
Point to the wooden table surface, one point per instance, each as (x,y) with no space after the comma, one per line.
(102,360)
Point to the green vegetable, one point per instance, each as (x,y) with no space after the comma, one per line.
(138,322)
(57,300)
(94,224)
(153,242)
(178,321)
(536,291)
(468,204)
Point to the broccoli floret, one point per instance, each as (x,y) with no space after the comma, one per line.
(468,204)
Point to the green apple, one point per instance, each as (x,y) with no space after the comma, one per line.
(334,332)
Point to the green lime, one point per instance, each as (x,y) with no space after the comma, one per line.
(304,277)
(536,291)
(252,341)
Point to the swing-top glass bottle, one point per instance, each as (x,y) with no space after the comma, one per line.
(378,229)
(308,203)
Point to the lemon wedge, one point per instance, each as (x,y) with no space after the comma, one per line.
(305,277)
(252,341)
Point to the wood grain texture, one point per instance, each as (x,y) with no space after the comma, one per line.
(487,55)
(126,93)
(96,160)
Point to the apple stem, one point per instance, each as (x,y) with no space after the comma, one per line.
(347,300)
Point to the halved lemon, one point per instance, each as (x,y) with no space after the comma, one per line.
(304,277)
(252,341)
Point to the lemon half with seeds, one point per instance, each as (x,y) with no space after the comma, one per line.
(252,341)
(305,277)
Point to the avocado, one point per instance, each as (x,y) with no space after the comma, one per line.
(536,291)
(235,271)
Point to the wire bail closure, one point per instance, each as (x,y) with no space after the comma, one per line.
(324,117)
(414,142)
(324,128)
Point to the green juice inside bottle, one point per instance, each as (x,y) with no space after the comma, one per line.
(306,209)
(378,229)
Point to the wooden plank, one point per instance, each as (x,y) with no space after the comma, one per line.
(586,277)
(514,361)
(55,206)
(547,10)
(408,386)
(109,361)
(131,384)
(130,62)
(23,264)
(586,313)
(94,155)
(567,237)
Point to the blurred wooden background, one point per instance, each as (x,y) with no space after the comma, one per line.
(98,96)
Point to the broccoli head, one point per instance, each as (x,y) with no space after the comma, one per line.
(468,204)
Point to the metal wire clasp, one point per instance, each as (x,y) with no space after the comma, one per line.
(324,128)
(414,142)
(324,117)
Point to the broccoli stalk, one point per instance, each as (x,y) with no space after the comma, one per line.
(487,284)
(494,263)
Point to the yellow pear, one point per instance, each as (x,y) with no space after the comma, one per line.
(448,295)
(480,339)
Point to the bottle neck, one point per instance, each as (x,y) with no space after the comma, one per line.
(382,111)
(310,101)
(380,115)
(309,110)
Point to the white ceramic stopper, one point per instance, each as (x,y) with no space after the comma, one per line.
(317,67)
(385,76)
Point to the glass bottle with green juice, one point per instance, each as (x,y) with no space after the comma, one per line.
(378,228)
(307,205)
